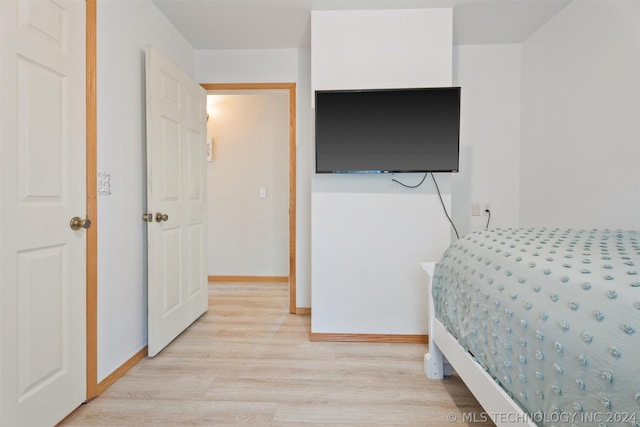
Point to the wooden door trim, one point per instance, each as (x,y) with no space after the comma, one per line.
(250,279)
(291,87)
(92,201)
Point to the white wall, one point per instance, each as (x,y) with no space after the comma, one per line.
(490,77)
(276,66)
(248,235)
(369,234)
(246,65)
(581,118)
(124,28)
(365,49)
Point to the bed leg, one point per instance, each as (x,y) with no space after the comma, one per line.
(434,363)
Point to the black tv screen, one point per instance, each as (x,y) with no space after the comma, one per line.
(387,130)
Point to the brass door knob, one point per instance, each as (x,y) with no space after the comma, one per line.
(77,223)
(148,217)
(161,217)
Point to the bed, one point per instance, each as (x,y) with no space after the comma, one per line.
(543,325)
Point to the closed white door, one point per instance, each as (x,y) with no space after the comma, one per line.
(176,155)
(42,186)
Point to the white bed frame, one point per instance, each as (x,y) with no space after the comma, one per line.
(446,354)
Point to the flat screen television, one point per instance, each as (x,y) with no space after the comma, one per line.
(387,130)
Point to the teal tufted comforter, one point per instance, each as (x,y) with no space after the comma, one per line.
(553,315)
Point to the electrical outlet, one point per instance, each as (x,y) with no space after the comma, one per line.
(475,209)
(486,207)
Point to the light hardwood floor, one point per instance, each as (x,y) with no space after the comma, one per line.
(247,362)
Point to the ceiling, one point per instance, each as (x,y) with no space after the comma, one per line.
(281,24)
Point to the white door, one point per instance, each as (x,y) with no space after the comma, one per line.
(176,155)
(42,186)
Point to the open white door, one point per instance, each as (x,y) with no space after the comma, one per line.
(42,187)
(176,182)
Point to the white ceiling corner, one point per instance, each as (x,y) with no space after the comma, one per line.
(282,24)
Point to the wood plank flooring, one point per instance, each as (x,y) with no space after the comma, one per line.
(248,362)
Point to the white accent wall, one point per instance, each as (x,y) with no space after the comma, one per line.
(248,231)
(124,28)
(581,118)
(369,234)
(367,49)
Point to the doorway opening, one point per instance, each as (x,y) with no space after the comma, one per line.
(290,89)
